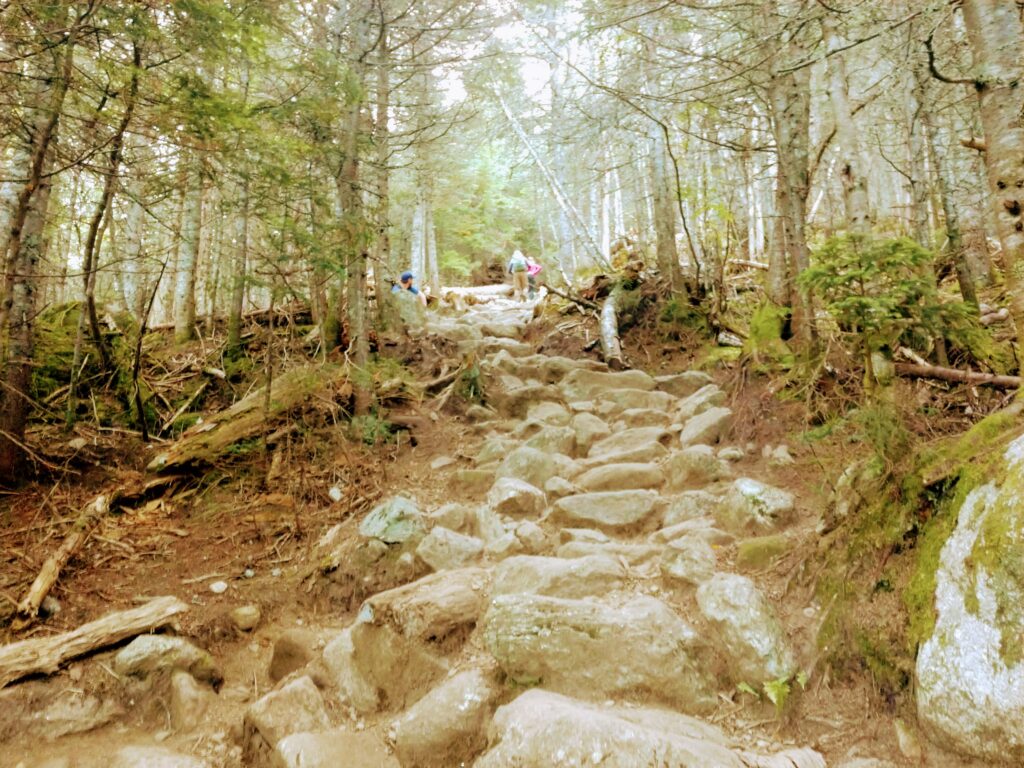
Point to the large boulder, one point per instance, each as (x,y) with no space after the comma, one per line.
(621,477)
(613,511)
(541,729)
(516,498)
(533,466)
(294,708)
(515,402)
(589,429)
(597,649)
(402,637)
(148,655)
(754,507)
(591,575)
(970,672)
(447,727)
(642,444)
(643,417)
(682,384)
(549,413)
(688,561)
(582,384)
(691,505)
(395,521)
(339,672)
(619,400)
(708,396)
(707,427)
(443,549)
(694,466)
(331,749)
(749,632)
(552,439)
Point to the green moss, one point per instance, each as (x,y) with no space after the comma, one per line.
(764,341)
(760,551)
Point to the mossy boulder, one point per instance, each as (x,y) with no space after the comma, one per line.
(759,552)
(970,672)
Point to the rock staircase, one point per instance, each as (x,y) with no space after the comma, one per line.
(576,604)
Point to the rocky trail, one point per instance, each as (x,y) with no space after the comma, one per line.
(582,580)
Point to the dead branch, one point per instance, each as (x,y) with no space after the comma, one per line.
(585,303)
(47,654)
(610,346)
(974,142)
(914,370)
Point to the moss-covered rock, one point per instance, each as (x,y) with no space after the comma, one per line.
(759,552)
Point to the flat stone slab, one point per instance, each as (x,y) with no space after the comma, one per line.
(707,427)
(516,498)
(642,444)
(682,384)
(541,729)
(618,400)
(621,477)
(709,396)
(585,385)
(634,554)
(590,575)
(609,510)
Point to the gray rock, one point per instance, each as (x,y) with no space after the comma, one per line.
(636,555)
(557,487)
(344,676)
(781,457)
(709,396)
(246,617)
(551,439)
(27,710)
(690,505)
(443,549)
(495,449)
(487,524)
(294,708)
(621,477)
(693,466)
(747,628)
(447,727)
(591,575)
(643,444)
(504,546)
(293,649)
(589,429)
(529,465)
(707,427)
(598,649)
(532,537)
(189,701)
(402,637)
(630,399)
(583,534)
(752,506)
(585,385)
(395,521)
(515,402)
(501,330)
(549,413)
(689,561)
(644,417)
(731,453)
(970,672)
(153,757)
(455,517)
(541,729)
(609,510)
(332,749)
(701,527)
(682,384)
(152,654)
(516,498)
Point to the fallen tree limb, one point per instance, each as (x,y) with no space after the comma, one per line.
(914,370)
(249,416)
(184,407)
(611,349)
(585,303)
(47,654)
(89,518)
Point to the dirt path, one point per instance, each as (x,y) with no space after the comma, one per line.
(583,570)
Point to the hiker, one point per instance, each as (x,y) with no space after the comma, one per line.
(532,270)
(517,267)
(405,284)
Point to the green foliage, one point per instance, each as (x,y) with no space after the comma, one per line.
(371,429)
(778,691)
(471,384)
(453,264)
(883,293)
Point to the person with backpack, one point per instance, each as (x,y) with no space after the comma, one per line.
(532,270)
(517,267)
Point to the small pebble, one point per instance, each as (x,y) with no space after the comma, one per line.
(248,573)
(219,587)
(275,572)
(335,493)
(50,606)
(246,617)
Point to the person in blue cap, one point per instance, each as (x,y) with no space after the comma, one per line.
(405,284)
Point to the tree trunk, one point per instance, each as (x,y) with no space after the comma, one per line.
(382,140)
(851,163)
(188,257)
(24,243)
(996,35)
(662,186)
(238,271)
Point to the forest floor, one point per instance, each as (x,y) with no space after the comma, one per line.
(254,523)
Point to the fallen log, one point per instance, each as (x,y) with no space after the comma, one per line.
(611,348)
(209,439)
(46,655)
(90,517)
(578,300)
(915,370)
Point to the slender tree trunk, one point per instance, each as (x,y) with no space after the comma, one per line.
(189,256)
(996,35)
(382,140)
(852,168)
(238,271)
(662,186)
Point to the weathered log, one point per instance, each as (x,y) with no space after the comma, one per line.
(610,346)
(90,517)
(47,654)
(248,417)
(915,370)
(579,300)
